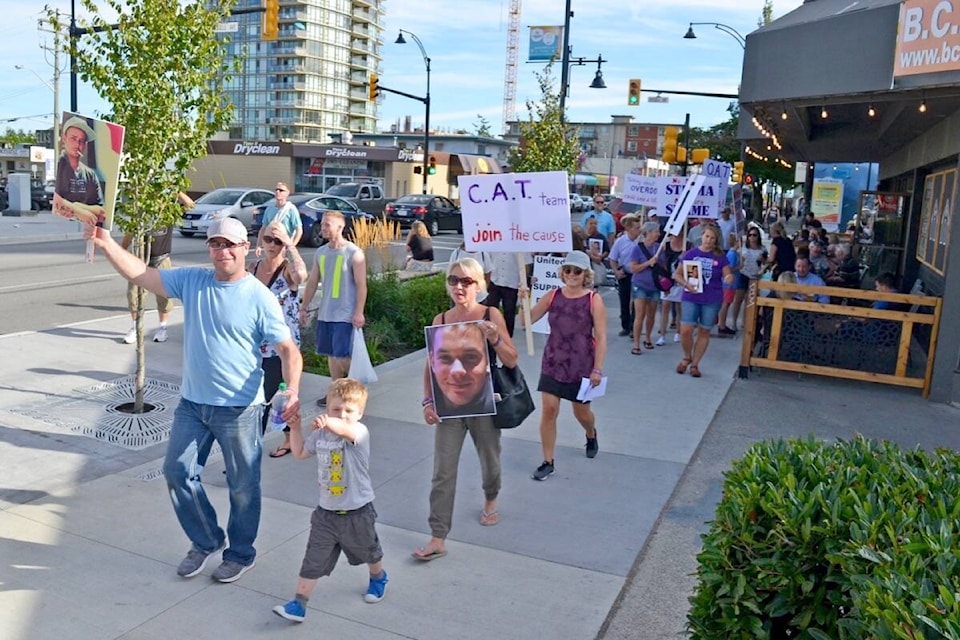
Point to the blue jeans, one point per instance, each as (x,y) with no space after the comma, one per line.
(237,429)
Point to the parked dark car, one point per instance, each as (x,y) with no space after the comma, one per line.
(437,212)
(312,206)
(40,198)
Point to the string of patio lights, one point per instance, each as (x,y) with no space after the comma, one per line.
(774,143)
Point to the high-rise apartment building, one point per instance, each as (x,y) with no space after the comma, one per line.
(311,81)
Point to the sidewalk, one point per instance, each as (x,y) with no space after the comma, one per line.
(36,226)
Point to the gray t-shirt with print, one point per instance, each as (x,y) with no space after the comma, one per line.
(343,469)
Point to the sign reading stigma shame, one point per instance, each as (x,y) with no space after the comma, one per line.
(516,211)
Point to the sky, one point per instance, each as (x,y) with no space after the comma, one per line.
(466,42)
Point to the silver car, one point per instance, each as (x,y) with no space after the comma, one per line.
(226,202)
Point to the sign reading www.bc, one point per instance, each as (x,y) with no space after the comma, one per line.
(928,38)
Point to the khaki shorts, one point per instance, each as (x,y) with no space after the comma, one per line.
(164,305)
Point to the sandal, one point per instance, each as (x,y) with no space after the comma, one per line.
(637,351)
(424,554)
(682,365)
(489,519)
(279,452)
(648,344)
(695,371)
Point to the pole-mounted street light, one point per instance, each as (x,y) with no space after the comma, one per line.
(55,88)
(566,63)
(730,31)
(426,126)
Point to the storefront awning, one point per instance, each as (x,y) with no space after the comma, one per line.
(583,179)
(466,164)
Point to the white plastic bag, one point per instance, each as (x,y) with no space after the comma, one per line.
(360,366)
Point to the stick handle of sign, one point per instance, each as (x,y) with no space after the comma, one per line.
(525,303)
(682,207)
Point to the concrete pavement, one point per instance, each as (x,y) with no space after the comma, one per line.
(604,548)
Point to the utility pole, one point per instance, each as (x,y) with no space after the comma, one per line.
(55,50)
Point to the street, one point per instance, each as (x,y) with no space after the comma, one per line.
(48,284)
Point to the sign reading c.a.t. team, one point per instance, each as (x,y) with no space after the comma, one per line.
(515,211)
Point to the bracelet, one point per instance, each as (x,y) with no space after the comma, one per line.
(428,401)
(499,339)
(599,372)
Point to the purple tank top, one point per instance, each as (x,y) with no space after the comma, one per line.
(568,356)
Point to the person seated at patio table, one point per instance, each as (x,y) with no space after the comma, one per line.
(819,263)
(847,270)
(805,277)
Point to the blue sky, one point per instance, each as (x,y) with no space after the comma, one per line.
(466,42)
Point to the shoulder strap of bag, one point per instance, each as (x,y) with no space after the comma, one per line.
(276,274)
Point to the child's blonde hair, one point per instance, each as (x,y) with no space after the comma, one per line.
(349,390)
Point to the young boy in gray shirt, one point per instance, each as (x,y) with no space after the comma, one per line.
(345,518)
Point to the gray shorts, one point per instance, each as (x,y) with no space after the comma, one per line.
(353,532)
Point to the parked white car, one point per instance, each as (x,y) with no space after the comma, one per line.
(576,204)
(226,202)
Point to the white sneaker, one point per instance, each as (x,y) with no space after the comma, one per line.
(660,341)
(676,337)
(160,335)
(131,336)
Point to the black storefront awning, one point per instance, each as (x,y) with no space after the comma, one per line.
(837,56)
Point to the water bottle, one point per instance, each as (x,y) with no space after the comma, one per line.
(277,405)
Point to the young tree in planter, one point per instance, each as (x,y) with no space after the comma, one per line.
(162,71)
(547,143)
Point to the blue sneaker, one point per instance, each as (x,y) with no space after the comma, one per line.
(293,610)
(376,589)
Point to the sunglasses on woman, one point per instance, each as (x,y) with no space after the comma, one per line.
(463,282)
(272,240)
(574,270)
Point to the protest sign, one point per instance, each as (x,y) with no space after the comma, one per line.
(703,206)
(546,278)
(516,211)
(640,190)
(679,211)
(722,172)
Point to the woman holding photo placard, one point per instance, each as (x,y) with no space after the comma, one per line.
(701,301)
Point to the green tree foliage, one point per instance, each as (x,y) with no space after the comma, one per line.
(12,137)
(162,71)
(547,143)
(481,127)
(766,14)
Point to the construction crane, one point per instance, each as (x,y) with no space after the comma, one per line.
(510,69)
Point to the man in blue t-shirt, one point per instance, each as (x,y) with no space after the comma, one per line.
(605,222)
(228,313)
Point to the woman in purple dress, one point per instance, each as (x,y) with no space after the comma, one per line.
(700,303)
(575,350)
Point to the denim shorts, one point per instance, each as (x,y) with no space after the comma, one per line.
(704,315)
(639,293)
(335,339)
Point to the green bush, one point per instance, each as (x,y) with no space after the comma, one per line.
(851,540)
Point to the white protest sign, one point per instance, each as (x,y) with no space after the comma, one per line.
(722,172)
(546,278)
(516,211)
(705,204)
(639,189)
(680,210)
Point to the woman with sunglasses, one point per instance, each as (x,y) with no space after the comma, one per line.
(281,269)
(575,350)
(465,282)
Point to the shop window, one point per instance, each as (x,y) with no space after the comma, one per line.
(939,194)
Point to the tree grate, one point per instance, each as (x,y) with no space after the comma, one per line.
(94,413)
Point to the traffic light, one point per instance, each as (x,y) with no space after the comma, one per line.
(681,154)
(698,156)
(374,87)
(737,171)
(418,170)
(668,153)
(748,179)
(270,28)
(432,167)
(633,92)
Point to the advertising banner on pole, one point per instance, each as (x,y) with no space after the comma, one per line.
(826,201)
(546,43)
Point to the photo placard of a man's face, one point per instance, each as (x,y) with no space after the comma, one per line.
(460,370)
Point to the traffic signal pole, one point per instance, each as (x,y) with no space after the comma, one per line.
(686,144)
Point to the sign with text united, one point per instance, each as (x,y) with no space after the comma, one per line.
(516,211)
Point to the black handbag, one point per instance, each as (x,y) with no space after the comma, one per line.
(515,402)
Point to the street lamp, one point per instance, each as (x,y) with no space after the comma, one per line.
(730,31)
(566,63)
(426,102)
(56,107)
